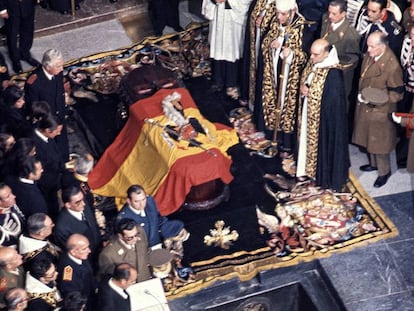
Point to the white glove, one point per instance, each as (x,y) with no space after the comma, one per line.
(361,100)
(395,118)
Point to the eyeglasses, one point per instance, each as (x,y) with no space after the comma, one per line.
(130,238)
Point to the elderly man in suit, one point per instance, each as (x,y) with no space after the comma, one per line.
(130,245)
(373,128)
(112,294)
(46,84)
(337,30)
(75,271)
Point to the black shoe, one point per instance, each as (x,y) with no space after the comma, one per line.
(65,12)
(402,163)
(367,168)
(77,7)
(17,68)
(113,1)
(381,180)
(31,61)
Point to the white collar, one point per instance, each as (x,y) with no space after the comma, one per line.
(138,212)
(34,285)
(376,58)
(335,26)
(117,289)
(48,75)
(76,260)
(41,136)
(77,215)
(26,181)
(128,246)
(28,244)
(331,60)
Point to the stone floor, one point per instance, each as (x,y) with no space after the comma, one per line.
(375,277)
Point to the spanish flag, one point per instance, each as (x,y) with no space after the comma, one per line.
(143,153)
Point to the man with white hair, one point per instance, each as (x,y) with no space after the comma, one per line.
(46,84)
(322,120)
(284,56)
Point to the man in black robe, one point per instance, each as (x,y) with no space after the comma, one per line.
(322,120)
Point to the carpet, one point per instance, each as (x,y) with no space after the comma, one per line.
(251,232)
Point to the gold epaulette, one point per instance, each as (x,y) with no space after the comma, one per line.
(32,79)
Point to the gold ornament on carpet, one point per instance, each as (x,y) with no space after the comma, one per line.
(221,236)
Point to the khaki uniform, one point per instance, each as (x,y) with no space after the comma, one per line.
(373,128)
(116,252)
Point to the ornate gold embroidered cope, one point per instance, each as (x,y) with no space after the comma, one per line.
(293,40)
(316,88)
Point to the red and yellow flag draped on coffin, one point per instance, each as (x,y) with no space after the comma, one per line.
(143,154)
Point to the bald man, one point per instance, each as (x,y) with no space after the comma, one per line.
(373,129)
(16,299)
(322,120)
(75,271)
(11,271)
(111,294)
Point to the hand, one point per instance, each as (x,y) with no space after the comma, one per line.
(286,52)
(395,118)
(304,90)
(259,21)
(275,44)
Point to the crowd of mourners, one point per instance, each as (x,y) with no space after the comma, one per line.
(57,250)
(312,72)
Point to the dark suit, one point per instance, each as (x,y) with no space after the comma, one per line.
(81,278)
(29,198)
(109,300)
(19,24)
(53,168)
(164,13)
(40,88)
(67,224)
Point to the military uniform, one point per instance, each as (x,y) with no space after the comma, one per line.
(346,41)
(389,26)
(156,227)
(77,277)
(11,226)
(117,252)
(373,128)
(10,280)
